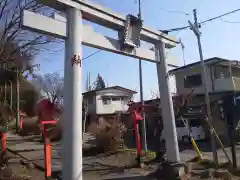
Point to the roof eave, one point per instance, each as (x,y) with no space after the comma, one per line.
(113,87)
(209,61)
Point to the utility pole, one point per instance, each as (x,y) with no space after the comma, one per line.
(143,122)
(195,29)
(231,120)
(11,94)
(5,91)
(17,100)
(183,54)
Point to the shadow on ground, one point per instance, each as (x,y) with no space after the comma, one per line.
(203,145)
(131,178)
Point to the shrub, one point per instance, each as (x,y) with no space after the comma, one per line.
(110,138)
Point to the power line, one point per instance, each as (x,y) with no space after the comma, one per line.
(220,16)
(203,22)
(167,10)
(171,11)
(90,55)
(230,22)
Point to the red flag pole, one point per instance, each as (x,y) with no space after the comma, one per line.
(47,145)
(135,109)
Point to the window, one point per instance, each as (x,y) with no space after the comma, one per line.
(221,72)
(192,81)
(106,100)
(124,100)
(116,99)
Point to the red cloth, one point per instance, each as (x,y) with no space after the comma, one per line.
(21,123)
(136,116)
(135,109)
(46,110)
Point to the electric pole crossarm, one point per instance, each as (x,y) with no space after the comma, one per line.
(194,29)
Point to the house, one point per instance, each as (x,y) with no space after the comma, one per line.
(223,79)
(108,100)
(222,75)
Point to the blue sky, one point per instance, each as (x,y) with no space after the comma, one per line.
(219,38)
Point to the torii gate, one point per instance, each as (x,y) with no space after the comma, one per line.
(75,33)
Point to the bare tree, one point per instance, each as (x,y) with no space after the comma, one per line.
(99,83)
(180,101)
(18,46)
(6,111)
(51,85)
(155,95)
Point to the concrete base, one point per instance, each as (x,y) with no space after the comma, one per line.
(139,161)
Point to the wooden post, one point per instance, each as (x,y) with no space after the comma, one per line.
(47,155)
(17,100)
(22,115)
(136,129)
(5,92)
(11,95)
(4,142)
(47,149)
(3,157)
(135,110)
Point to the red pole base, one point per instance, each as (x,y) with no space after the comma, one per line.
(4,142)
(21,124)
(47,156)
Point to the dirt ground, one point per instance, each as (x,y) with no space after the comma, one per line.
(109,166)
(14,170)
(21,171)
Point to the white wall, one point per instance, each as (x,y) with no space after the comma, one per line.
(191,71)
(114,105)
(172,81)
(215,84)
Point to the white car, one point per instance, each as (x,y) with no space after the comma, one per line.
(196,130)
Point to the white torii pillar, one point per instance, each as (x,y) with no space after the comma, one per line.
(171,141)
(72,133)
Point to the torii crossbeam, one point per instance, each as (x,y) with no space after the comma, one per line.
(75,33)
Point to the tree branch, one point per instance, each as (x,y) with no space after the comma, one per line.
(17,44)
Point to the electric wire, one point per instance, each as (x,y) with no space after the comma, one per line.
(203,22)
(90,55)
(168,10)
(230,22)
(171,11)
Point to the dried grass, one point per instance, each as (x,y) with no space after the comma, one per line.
(111,137)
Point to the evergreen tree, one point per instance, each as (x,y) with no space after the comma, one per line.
(100,84)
